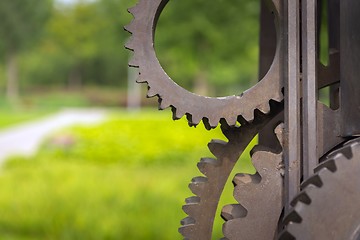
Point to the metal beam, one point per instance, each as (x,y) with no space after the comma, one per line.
(309,86)
(349,67)
(292,152)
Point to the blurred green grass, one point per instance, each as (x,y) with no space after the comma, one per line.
(123,179)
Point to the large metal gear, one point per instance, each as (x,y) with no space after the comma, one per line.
(201,208)
(260,197)
(311,129)
(211,110)
(328,207)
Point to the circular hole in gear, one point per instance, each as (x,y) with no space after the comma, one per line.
(210,48)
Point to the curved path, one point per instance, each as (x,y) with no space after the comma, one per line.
(25,139)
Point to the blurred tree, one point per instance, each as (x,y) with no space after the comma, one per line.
(213,43)
(21,24)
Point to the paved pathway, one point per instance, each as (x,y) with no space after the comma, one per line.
(24,139)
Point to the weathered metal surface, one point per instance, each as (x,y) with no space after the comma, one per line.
(290,70)
(201,208)
(267,50)
(292,144)
(260,197)
(328,206)
(349,67)
(309,86)
(182,102)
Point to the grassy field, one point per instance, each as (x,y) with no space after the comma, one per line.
(123,179)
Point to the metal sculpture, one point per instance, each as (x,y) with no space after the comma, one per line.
(312,138)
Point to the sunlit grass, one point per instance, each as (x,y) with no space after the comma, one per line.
(124,179)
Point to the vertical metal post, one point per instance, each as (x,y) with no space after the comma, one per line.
(334,45)
(349,67)
(309,86)
(266,56)
(292,152)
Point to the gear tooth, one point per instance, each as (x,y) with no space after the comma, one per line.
(213,122)
(265,108)
(294,230)
(192,200)
(190,209)
(140,79)
(187,221)
(314,180)
(151,93)
(301,197)
(216,147)
(163,104)
(242,179)
(233,211)
(131,27)
(134,62)
(197,185)
(194,119)
(231,120)
(258,148)
(206,165)
(279,131)
(329,164)
(134,10)
(130,44)
(293,216)
(278,97)
(285,235)
(248,116)
(345,151)
(177,114)
(187,230)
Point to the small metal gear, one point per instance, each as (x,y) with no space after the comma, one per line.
(201,208)
(328,207)
(211,110)
(260,198)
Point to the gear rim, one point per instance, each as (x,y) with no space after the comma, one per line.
(337,170)
(209,109)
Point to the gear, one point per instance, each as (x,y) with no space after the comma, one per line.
(260,197)
(201,208)
(328,206)
(197,108)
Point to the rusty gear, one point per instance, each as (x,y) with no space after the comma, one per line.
(201,208)
(197,108)
(328,206)
(259,196)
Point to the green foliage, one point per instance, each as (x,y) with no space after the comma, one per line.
(139,142)
(216,41)
(72,191)
(21,21)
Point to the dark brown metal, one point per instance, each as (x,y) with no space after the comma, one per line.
(328,207)
(267,50)
(291,72)
(260,197)
(292,151)
(182,102)
(201,208)
(309,86)
(349,67)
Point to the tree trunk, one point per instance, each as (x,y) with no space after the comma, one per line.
(12,84)
(75,78)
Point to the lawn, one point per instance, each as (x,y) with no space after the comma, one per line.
(124,179)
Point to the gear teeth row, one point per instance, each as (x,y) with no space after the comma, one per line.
(198,224)
(198,186)
(196,108)
(311,186)
(250,189)
(201,208)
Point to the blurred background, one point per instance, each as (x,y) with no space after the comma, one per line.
(90,157)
